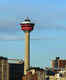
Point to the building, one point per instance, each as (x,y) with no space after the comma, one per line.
(61,63)
(4,68)
(16,70)
(30,76)
(34,73)
(58,63)
(11,70)
(54,63)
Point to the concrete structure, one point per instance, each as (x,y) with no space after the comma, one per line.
(4,69)
(27,26)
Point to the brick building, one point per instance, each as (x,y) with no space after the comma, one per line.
(58,63)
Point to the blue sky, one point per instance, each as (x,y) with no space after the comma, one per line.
(48,39)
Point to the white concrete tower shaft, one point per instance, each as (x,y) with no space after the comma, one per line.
(27,52)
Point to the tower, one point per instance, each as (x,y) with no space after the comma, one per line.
(27,26)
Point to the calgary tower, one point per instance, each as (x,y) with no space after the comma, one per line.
(27,26)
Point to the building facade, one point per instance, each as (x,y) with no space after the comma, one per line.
(58,63)
(16,71)
(4,69)
(34,73)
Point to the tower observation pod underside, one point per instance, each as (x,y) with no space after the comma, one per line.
(27,26)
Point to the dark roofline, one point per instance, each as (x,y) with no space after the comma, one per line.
(36,68)
(1,57)
(15,63)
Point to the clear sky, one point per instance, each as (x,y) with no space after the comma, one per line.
(48,39)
